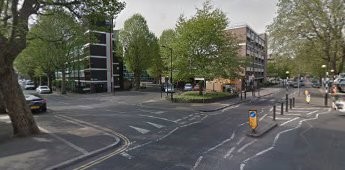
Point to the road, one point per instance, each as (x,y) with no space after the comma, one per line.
(161,135)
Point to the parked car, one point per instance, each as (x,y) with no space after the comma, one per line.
(29,86)
(301,83)
(169,88)
(36,103)
(42,89)
(196,87)
(188,87)
(316,84)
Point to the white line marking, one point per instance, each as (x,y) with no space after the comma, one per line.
(161,118)
(222,143)
(126,155)
(246,145)
(229,152)
(139,146)
(271,109)
(155,125)
(167,134)
(65,141)
(140,130)
(243,124)
(289,121)
(292,114)
(281,118)
(263,117)
(311,112)
(197,163)
(243,164)
(299,111)
(240,141)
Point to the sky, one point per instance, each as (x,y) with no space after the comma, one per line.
(163,14)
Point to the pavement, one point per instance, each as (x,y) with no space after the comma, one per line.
(65,140)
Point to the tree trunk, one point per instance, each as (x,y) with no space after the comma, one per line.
(63,82)
(49,82)
(20,114)
(136,80)
(341,64)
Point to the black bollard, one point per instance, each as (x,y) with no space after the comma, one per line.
(282,108)
(293,102)
(245,94)
(287,105)
(274,112)
(290,104)
(241,94)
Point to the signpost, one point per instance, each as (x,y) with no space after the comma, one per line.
(253,120)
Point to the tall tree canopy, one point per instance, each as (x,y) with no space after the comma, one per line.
(312,31)
(137,41)
(203,48)
(14,22)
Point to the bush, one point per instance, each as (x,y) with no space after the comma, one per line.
(194,97)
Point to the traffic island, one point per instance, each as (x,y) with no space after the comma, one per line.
(264,127)
(209,97)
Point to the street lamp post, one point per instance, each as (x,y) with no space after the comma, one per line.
(171,78)
(325,85)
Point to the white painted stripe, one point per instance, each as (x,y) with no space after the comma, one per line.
(246,145)
(161,118)
(271,109)
(171,132)
(197,162)
(281,118)
(262,117)
(222,143)
(229,152)
(65,141)
(140,130)
(240,141)
(242,124)
(155,125)
(292,114)
(311,112)
(126,155)
(289,121)
(264,151)
(299,111)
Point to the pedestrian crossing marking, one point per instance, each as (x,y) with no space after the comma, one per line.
(140,130)
(155,125)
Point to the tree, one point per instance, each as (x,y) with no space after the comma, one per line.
(137,40)
(316,24)
(156,68)
(167,39)
(203,47)
(14,21)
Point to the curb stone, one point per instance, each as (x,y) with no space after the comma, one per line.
(263,130)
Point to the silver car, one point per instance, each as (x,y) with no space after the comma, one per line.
(42,89)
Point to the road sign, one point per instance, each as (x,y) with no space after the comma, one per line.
(253,119)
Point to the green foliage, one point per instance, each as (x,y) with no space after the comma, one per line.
(310,33)
(202,48)
(138,43)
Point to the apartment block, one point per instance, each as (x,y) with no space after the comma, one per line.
(254,48)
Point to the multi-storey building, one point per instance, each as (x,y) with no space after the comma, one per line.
(98,68)
(254,47)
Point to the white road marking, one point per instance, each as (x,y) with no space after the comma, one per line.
(140,130)
(272,100)
(65,141)
(155,125)
(243,164)
(271,109)
(299,111)
(240,141)
(228,108)
(229,152)
(161,118)
(246,145)
(197,163)
(289,121)
(242,124)
(281,118)
(263,117)
(292,114)
(222,143)
(159,112)
(163,137)
(311,112)
(126,155)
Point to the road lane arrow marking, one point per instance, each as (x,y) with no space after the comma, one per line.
(155,125)
(140,130)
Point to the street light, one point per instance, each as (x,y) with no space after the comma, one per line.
(171,78)
(325,85)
